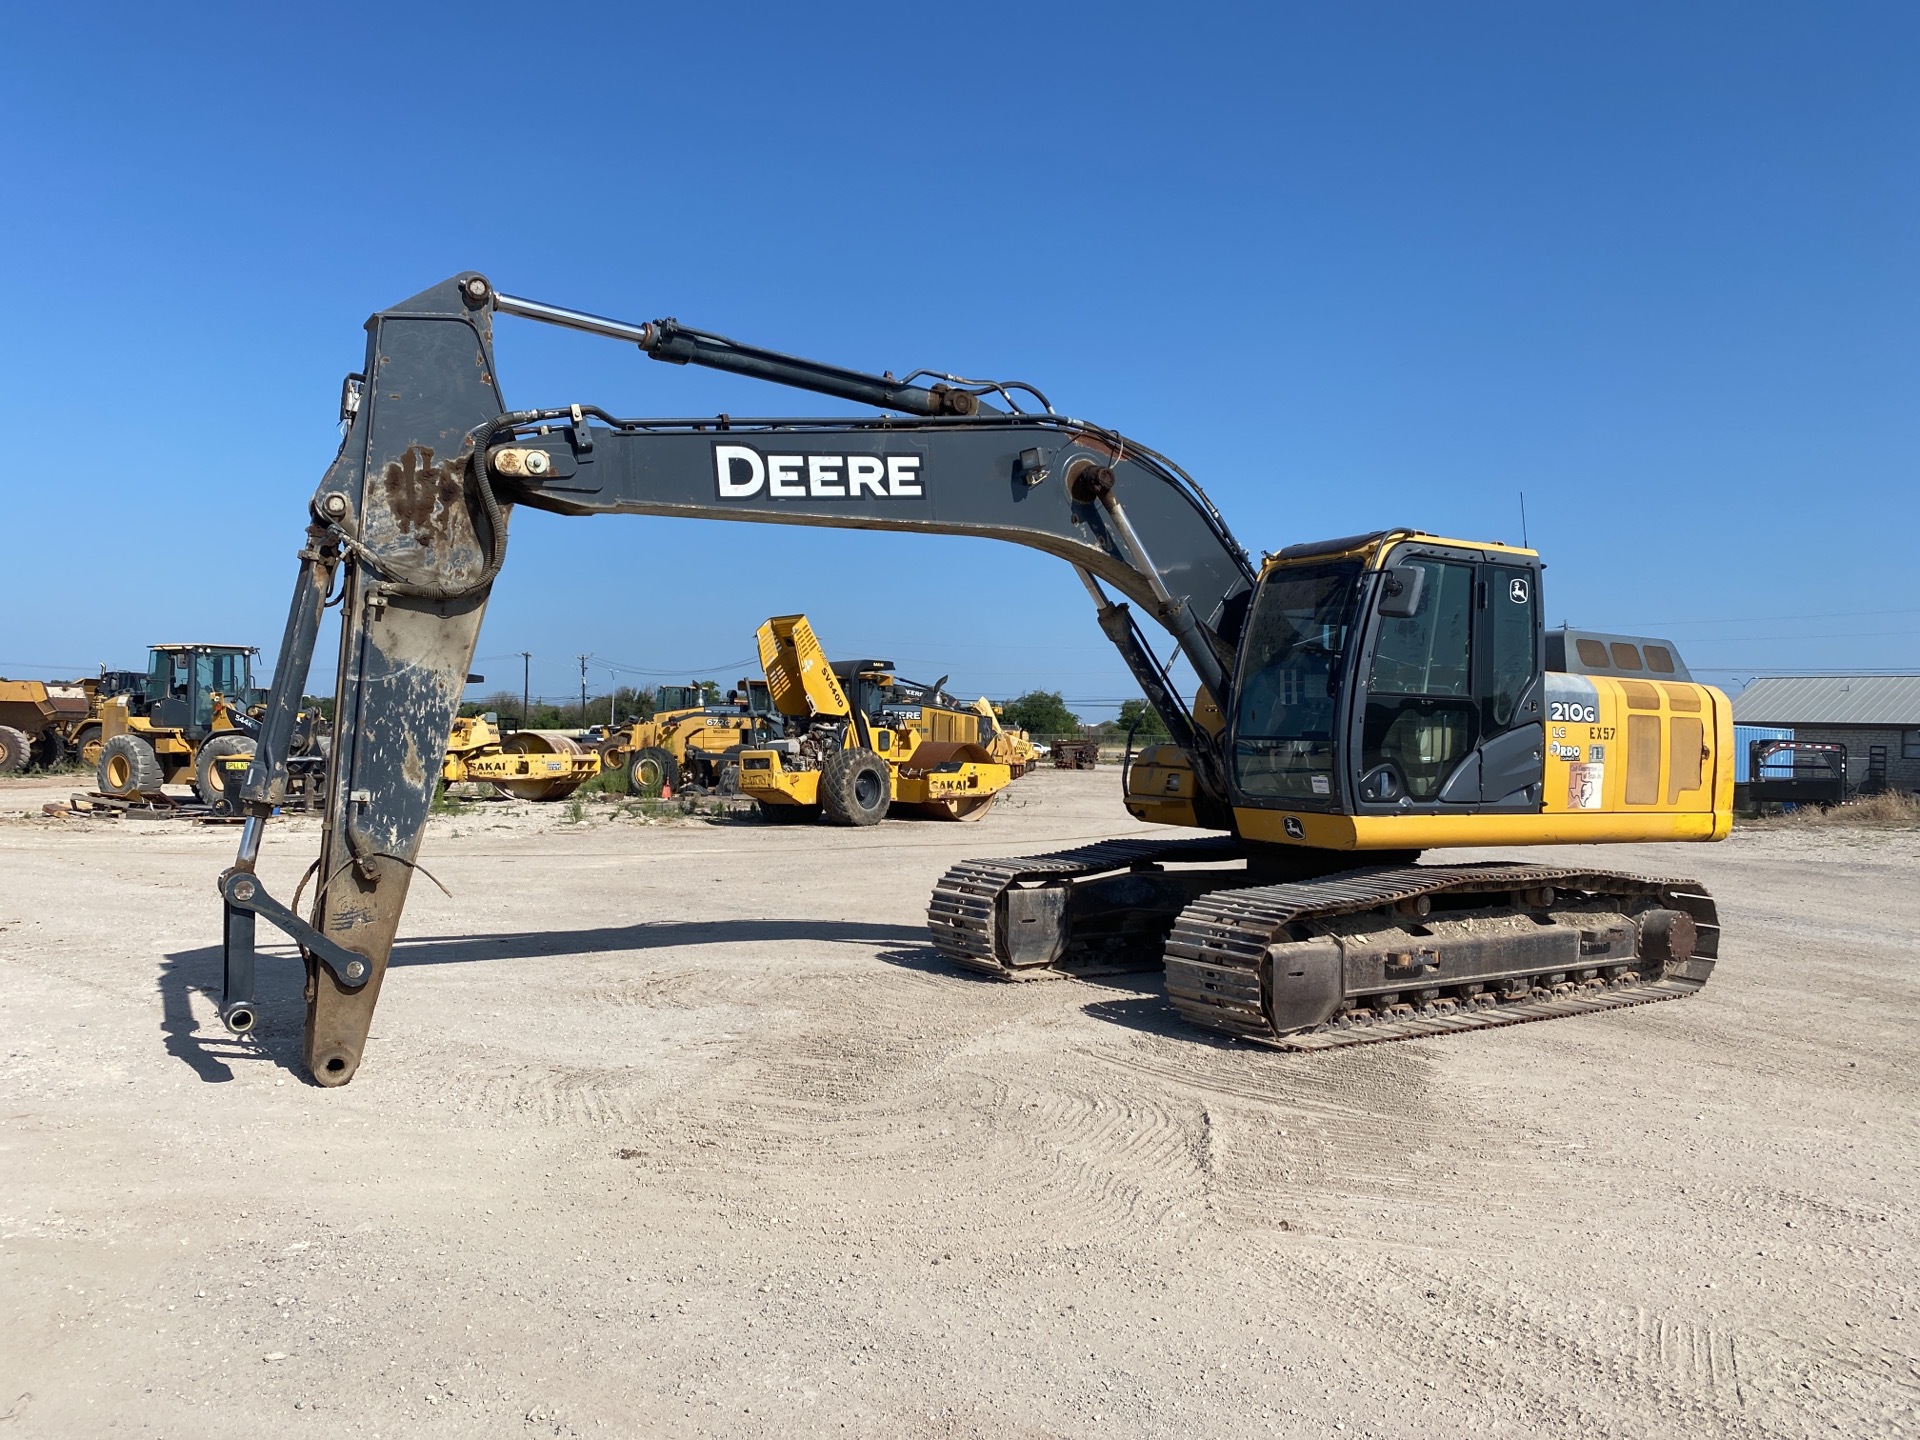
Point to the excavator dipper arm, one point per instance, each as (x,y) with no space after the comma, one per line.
(409,530)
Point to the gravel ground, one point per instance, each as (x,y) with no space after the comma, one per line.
(681,1129)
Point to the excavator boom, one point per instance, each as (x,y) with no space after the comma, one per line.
(409,531)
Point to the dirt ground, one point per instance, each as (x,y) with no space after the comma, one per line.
(681,1129)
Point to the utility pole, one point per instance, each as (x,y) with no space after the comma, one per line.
(526,689)
(583,689)
(613,690)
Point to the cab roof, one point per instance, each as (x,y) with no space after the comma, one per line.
(1371,545)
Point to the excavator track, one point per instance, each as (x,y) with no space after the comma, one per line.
(1227,948)
(981,909)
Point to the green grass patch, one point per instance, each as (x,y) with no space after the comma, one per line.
(445,802)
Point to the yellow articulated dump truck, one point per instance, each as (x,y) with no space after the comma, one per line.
(851,752)
(37,717)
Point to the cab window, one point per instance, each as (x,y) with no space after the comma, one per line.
(1512,637)
(159,675)
(1284,715)
(1420,720)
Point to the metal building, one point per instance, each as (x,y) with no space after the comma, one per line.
(1877,717)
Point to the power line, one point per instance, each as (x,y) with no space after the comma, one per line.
(1836,635)
(674,672)
(1769,619)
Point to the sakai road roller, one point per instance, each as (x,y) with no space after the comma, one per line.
(526,764)
(1360,702)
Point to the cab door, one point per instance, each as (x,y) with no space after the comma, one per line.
(1447,711)
(1509,686)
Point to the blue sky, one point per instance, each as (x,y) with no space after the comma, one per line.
(1351,265)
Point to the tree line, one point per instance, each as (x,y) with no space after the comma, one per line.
(1038,712)
(1045,712)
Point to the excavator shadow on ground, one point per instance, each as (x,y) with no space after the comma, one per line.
(212,1053)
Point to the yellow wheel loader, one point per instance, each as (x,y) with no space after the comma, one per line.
(853,753)
(182,720)
(690,740)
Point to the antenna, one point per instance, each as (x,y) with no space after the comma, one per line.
(1524,545)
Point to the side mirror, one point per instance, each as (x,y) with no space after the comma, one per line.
(1404,587)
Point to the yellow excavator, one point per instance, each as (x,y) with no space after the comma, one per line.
(1359,703)
(857,750)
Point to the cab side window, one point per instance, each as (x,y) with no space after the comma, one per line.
(159,673)
(1428,653)
(1421,720)
(1512,635)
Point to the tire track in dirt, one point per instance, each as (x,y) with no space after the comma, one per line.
(1286,1132)
(1090,1163)
(1649,1372)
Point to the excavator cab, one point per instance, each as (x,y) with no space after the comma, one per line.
(1398,691)
(1390,687)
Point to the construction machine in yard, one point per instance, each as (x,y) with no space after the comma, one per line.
(1360,700)
(689,740)
(693,739)
(1010,745)
(525,764)
(858,750)
(184,720)
(38,720)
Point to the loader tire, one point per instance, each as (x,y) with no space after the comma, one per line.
(652,770)
(87,745)
(50,750)
(209,779)
(16,753)
(128,766)
(856,786)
